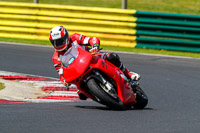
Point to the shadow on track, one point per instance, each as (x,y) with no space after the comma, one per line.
(109,109)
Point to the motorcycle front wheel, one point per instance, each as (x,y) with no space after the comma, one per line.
(102,96)
(141,98)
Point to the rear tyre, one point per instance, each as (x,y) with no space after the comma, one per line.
(102,96)
(141,98)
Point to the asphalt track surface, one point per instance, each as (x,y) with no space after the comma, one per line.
(172,85)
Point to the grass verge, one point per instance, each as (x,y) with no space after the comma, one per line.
(178,6)
(2,86)
(154,51)
(135,50)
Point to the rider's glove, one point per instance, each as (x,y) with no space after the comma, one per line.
(94,49)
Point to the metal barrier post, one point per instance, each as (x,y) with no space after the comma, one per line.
(124,4)
(35,1)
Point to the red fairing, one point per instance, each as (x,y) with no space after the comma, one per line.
(125,93)
(78,64)
(72,72)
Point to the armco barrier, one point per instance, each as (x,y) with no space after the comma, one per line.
(168,31)
(115,27)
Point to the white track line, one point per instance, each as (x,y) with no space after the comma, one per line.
(63,93)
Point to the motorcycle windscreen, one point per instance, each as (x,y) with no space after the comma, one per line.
(75,62)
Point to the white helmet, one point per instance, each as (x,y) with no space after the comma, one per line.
(59,38)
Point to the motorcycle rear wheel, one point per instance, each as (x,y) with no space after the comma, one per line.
(102,96)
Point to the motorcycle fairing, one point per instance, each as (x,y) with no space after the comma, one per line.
(85,60)
(125,92)
(70,63)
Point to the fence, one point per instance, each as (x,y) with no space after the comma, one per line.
(115,27)
(168,31)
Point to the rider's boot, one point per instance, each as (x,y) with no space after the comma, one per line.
(81,95)
(131,75)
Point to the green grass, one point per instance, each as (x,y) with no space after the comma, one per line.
(153,51)
(173,6)
(2,86)
(135,50)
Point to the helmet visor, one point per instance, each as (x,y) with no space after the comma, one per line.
(59,42)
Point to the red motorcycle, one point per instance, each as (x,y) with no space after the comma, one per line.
(100,80)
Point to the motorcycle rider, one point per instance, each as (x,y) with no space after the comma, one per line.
(61,41)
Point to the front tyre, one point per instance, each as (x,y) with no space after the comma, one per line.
(102,96)
(141,98)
